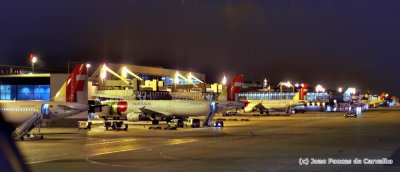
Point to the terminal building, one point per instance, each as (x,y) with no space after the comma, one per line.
(25,87)
(110,81)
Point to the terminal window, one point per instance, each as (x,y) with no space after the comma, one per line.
(24,92)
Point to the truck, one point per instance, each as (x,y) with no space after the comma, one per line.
(192,122)
(171,125)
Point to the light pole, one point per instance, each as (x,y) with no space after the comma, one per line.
(265,82)
(223,82)
(287,84)
(33,60)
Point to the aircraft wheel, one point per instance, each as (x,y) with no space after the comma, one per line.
(155,122)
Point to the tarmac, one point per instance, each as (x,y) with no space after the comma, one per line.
(315,141)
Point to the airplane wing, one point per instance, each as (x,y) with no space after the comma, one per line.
(144,110)
(298,103)
(223,106)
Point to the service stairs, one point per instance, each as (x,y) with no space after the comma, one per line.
(34,121)
(210,116)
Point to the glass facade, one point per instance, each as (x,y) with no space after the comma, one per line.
(24,92)
(265,96)
(169,80)
(317,97)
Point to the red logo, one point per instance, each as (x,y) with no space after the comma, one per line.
(122,106)
(245,102)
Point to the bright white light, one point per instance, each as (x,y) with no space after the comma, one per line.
(88,65)
(296,85)
(319,88)
(265,82)
(340,89)
(34,59)
(176,78)
(302,85)
(124,72)
(287,84)
(352,90)
(103,73)
(190,76)
(223,82)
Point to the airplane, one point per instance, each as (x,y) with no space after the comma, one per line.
(158,109)
(70,100)
(373,101)
(273,105)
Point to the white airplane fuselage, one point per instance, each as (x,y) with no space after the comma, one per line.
(172,107)
(273,104)
(165,107)
(17,112)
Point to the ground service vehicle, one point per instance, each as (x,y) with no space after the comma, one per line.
(115,125)
(192,122)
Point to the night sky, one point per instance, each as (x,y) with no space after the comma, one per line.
(333,43)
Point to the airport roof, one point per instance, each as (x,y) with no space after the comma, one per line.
(30,75)
(158,71)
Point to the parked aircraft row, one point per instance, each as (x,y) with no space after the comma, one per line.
(71,99)
(157,109)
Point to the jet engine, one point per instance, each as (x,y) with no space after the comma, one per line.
(133,116)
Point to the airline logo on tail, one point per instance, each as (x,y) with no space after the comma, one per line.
(302,93)
(234,87)
(75,88)
(382,96)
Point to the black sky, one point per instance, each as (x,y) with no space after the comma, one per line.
(335,43)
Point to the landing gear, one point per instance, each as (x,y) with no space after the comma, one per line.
(155,122)
(115,125)
(168,119)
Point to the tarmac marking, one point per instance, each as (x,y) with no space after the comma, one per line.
(101,143)
(87,158)
(42,161)
(110,152)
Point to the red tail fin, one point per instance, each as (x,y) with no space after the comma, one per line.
(75,88)
(303,91)
(76,84)
(382,96)
(234,87)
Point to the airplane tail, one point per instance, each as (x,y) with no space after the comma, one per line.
(75,87)
(382,96)
(234,87)
(302,93)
